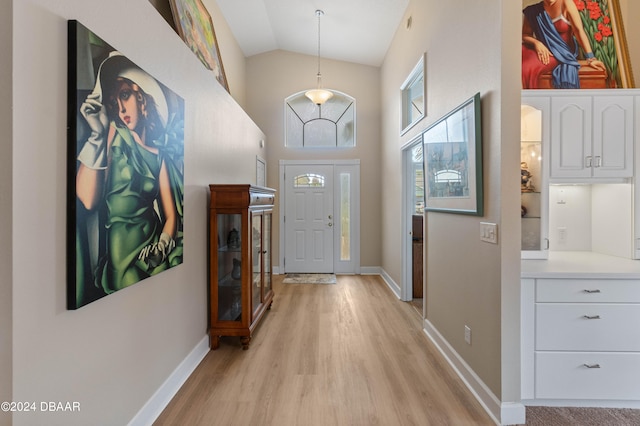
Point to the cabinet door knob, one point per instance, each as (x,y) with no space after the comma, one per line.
(589,161)
(598,161)
(586,290)
(590,317)
(592,365)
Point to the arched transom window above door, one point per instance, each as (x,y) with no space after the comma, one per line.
(330,125)
(309,180)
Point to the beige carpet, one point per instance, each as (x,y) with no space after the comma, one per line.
(310,279)
(573,416)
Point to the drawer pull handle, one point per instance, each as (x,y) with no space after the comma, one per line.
(592,365)
(591,291)
(591,316)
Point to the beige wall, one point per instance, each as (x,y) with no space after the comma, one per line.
(273,76)
(468,282)
(113,354)
(464,275)
(509,179)
(233,59)
(6,258)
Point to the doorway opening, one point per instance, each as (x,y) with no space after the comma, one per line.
(414,271)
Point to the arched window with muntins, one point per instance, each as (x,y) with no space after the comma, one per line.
(309,180)
(330,125)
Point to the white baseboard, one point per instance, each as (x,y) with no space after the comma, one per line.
(376,270)
(512,413)
(161,398)
(505,413)
(369,270)
(590,403)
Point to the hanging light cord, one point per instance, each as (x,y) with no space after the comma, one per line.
(319,13)
(318,95)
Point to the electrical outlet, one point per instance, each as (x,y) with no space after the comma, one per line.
(467,334)
(562,234)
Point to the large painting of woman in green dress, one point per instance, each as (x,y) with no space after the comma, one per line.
(126,168)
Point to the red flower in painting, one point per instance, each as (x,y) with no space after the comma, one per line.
(604,30)
(594,10)
(596,19)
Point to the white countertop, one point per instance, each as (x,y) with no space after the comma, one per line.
(580,264)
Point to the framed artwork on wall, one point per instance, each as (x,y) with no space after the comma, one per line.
(452,155)
(195,27)
(596,57)
(125,168)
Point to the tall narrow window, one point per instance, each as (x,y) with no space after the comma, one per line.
(345,216)
(418,179)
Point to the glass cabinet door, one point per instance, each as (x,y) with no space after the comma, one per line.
(229,267)
(533,178)
(256,256)
(266,251)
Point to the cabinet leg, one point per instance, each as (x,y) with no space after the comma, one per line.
(245,342)
(214,342)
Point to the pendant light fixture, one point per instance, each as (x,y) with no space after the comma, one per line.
(319,95)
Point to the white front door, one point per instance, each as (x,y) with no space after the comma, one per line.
(309,218)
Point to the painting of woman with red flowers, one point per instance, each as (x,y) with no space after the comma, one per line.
(574,44)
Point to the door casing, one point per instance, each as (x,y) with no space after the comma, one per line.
(351,167)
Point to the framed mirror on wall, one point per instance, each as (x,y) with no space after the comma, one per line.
(413,96)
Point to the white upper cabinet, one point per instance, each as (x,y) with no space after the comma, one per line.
(613,136)
(571,136)
(591,137)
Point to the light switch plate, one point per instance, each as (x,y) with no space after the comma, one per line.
(489,232)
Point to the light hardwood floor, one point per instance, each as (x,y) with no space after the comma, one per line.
(343,354)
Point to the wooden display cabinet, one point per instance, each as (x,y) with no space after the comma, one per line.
(240,285)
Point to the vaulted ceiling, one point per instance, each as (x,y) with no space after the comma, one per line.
(357,31)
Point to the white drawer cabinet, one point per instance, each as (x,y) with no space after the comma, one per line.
(587,327)
(587,375)
(587,291)
(581,339)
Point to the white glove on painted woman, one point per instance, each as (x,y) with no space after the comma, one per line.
(154,254)
(94,152)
